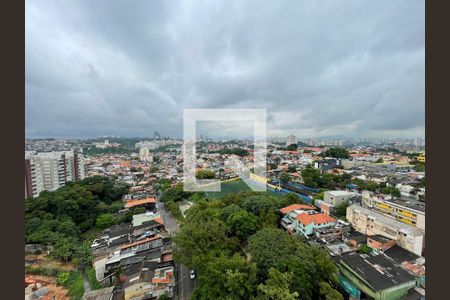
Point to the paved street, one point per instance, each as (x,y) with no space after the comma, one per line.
(185,285)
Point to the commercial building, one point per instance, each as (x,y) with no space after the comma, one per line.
(370,222)
(51,170)
(408,211)
(374,275)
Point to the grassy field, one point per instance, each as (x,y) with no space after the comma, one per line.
(229,187)
(232,187)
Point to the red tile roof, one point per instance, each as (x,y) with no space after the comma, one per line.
(323,218)
(305,219)
(131,203)
(159,220)
(293,207)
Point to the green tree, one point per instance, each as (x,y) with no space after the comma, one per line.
(311,176)
(292,147)
(242,224)
(205,174)
(197,239)
(371,186)
(226,278)
(83,253)
(273,248)
(418,166)
(285,177)
(63,247)
(277,287)
(365,249)
(337,152)
(292,169)
(328,293)
(164,297)
(341,209)
(390,191)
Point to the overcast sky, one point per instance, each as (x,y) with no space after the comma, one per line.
(320,68)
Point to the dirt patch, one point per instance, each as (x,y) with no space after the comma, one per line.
(54,291)
(42,260)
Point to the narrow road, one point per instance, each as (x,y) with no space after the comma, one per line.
(185,285)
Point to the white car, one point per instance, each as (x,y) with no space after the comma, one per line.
(192,274)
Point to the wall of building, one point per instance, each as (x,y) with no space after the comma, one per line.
(372,225)
(52,170)
(394,293)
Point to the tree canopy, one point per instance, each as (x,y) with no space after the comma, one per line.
(239,252)
(337,152)
(60,217)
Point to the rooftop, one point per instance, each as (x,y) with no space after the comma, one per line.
(101,294)
(132,203)
(401,255)
(340,193)
(140,242)
(409,203)
(293,207)
(387,221)
(306,219)
(380,238)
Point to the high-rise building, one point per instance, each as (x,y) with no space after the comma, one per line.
(144,153)
(51,170)
(156,135)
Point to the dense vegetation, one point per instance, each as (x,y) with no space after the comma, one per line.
(235,151)
(419,166)
(285,177)
(292,147)
(61,217)
(205,174)
(171,197)
(72,280)
(313,178)
(239,252)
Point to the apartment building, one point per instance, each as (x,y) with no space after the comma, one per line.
(370,222)
(51,170)
(291,140)
(144,154)
(408,211)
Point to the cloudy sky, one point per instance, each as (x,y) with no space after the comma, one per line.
(320,68)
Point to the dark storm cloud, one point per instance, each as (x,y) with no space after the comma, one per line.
(129,67)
